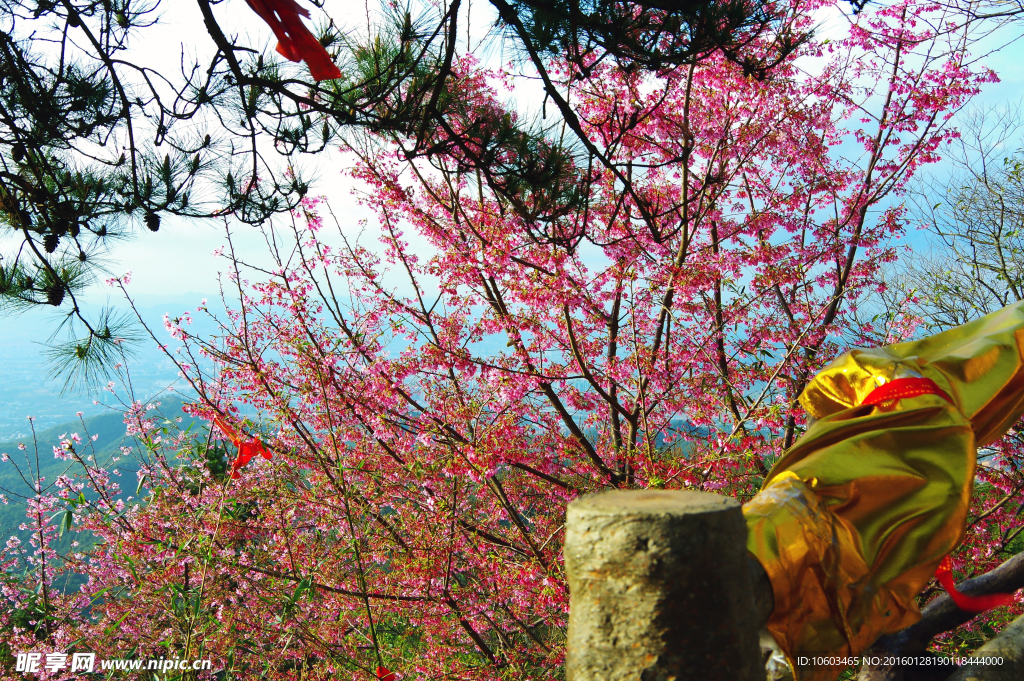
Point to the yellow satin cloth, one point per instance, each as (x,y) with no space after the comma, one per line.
(852,521)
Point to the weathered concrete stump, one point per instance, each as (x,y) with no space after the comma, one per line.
(660,589)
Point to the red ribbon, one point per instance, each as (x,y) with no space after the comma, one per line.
(246,449)
(944,573)
(914,387)
(385,675)
(905,387)
(295,42)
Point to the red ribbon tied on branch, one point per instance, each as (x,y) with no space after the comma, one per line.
(944,573)
(914,387)
(385,675)
(295,42)
(247,449)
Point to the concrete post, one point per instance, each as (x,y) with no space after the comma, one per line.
(660,589)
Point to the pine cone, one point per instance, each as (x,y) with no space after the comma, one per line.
(55,294)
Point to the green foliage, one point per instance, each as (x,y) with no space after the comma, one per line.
(90,151)
(216,461)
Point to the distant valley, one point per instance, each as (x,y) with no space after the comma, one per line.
(37,459)
(27,390)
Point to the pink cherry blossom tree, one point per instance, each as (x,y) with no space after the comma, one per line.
(633,296)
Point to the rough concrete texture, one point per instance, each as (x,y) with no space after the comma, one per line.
(1008,645)
(660,589)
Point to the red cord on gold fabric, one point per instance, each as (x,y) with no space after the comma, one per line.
(905,387)
(914,387)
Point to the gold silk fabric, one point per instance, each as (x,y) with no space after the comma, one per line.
(852,521)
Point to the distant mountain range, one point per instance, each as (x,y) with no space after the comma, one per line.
(38,460)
